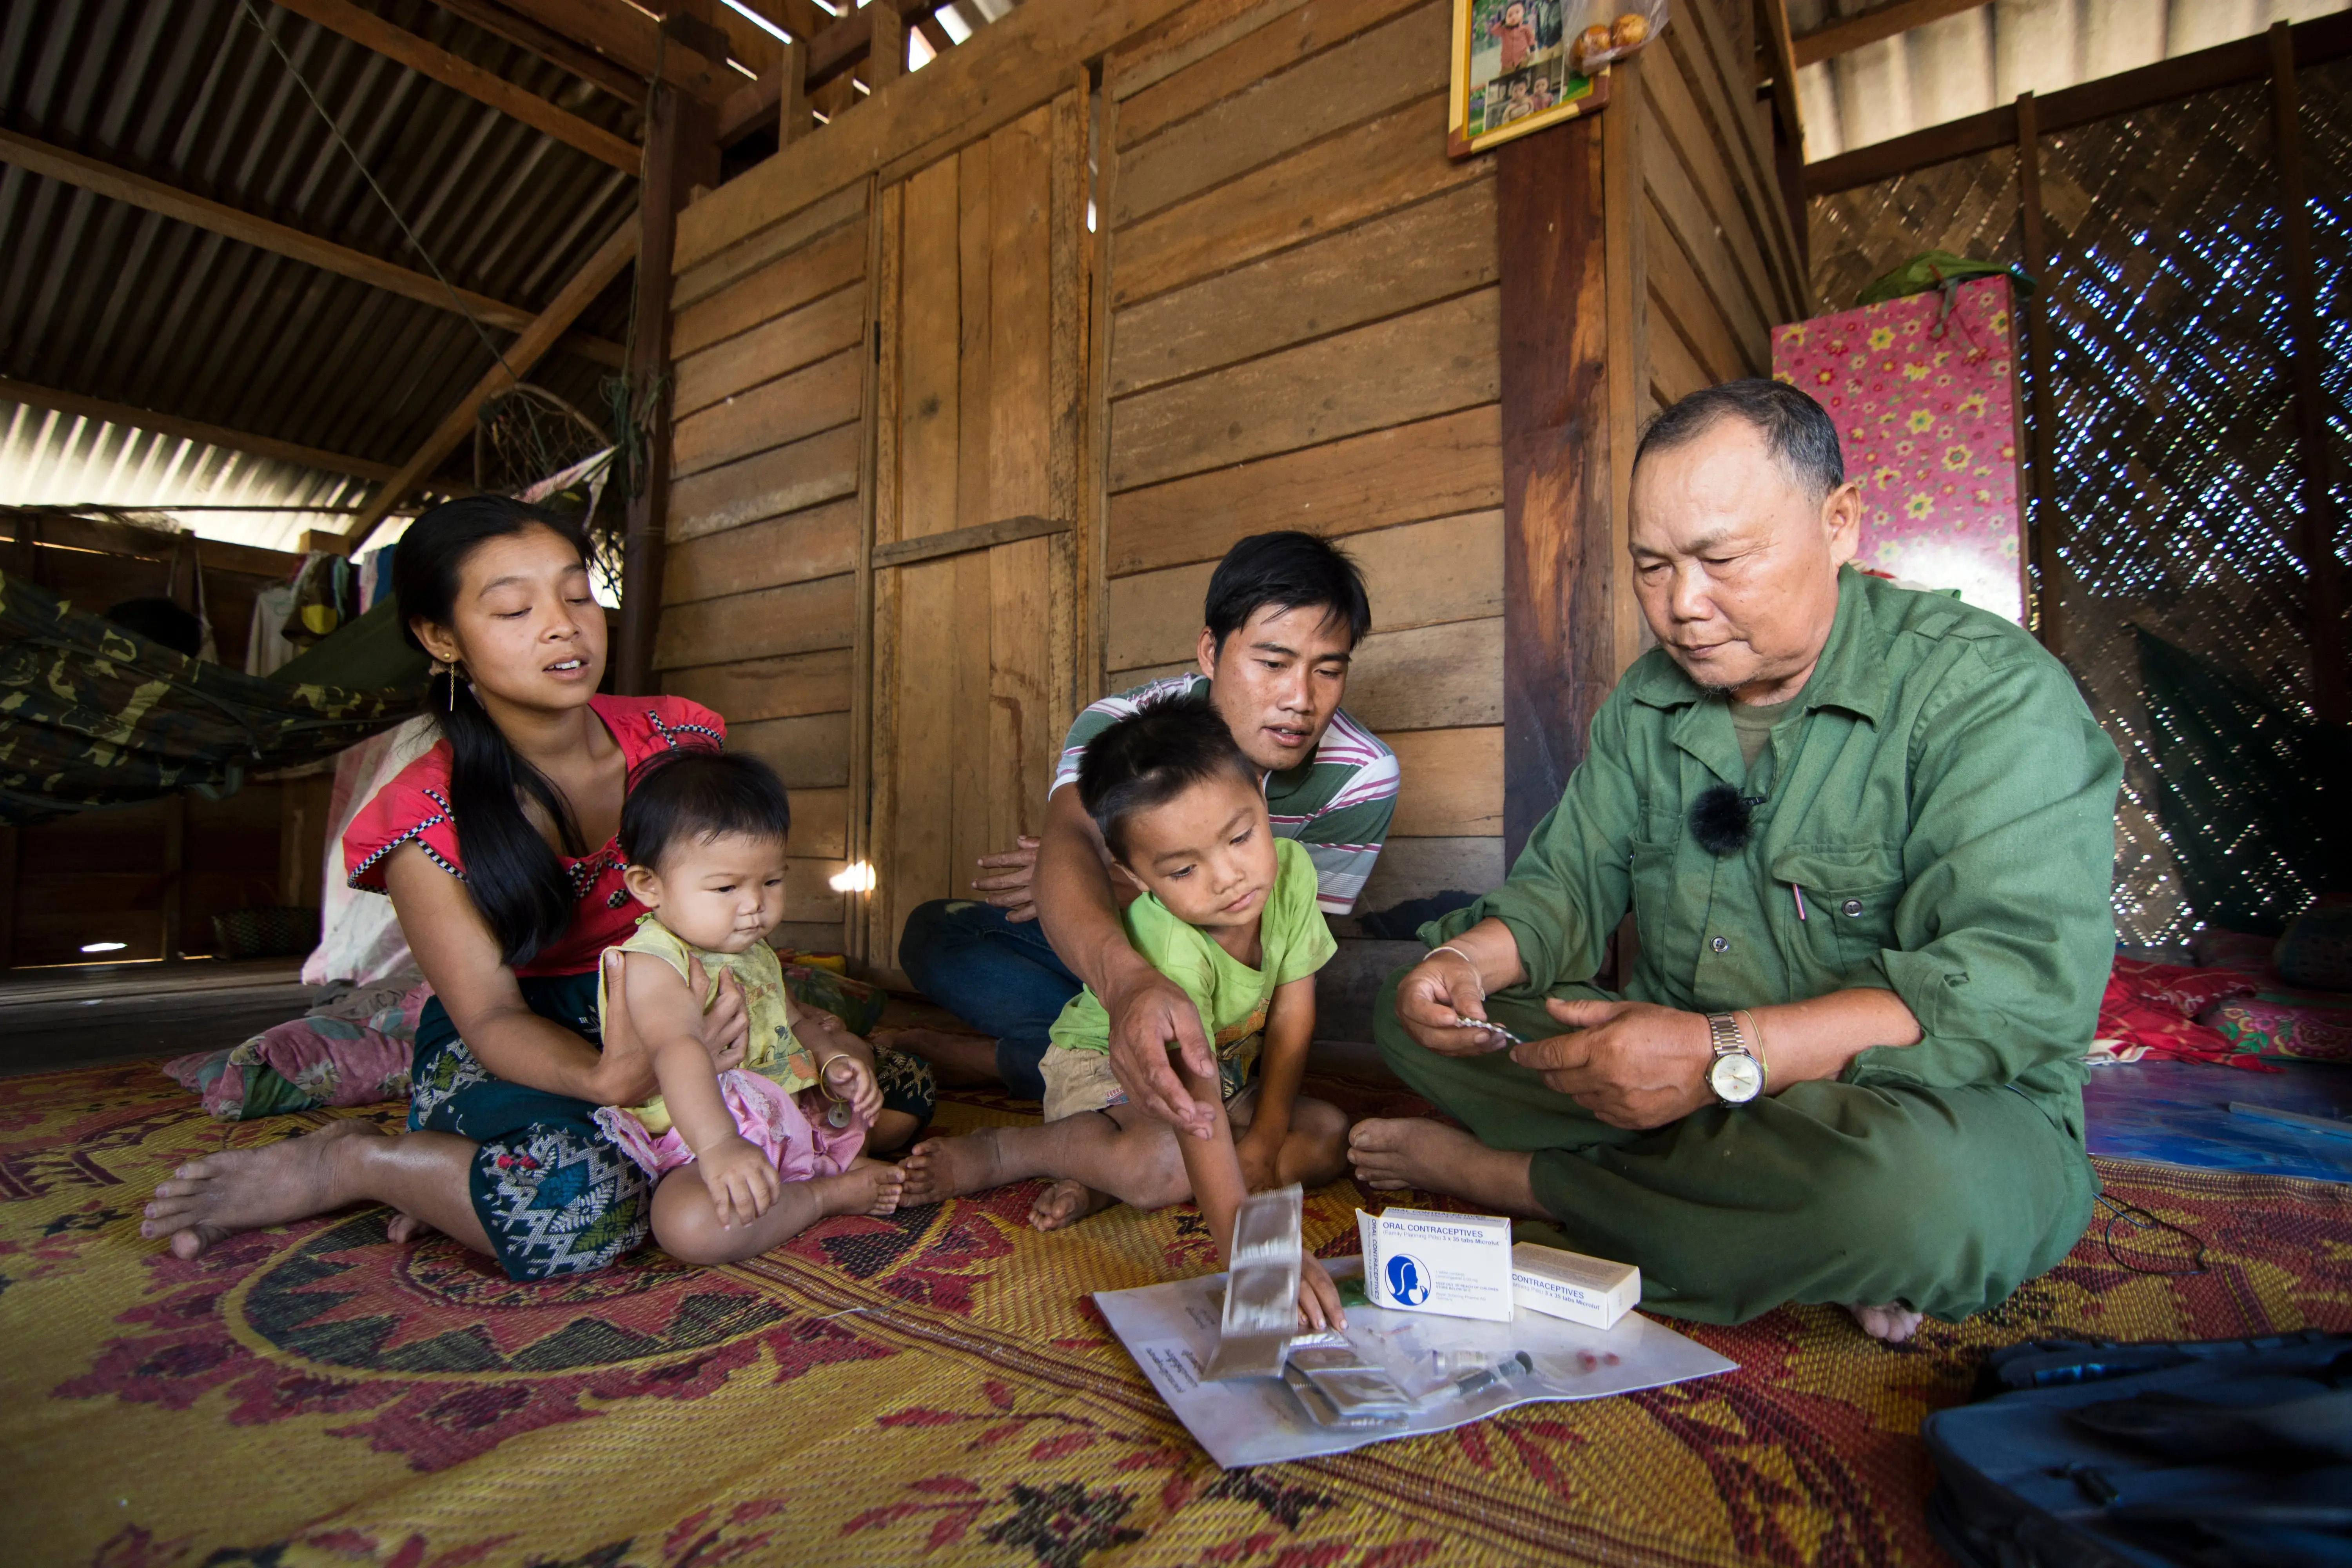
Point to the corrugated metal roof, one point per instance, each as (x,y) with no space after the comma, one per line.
(113,302)
(1979,59)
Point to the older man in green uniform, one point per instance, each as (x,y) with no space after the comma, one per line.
(1866,836)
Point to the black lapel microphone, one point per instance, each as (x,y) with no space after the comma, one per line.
(1722,819)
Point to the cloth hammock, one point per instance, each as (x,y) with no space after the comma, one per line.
(92,715)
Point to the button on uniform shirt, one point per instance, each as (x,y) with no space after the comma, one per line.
(1943,805)
(1337,803)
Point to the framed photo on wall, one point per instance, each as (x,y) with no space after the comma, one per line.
(1521,65)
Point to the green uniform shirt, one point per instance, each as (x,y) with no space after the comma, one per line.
(1294,940)
(1944,805)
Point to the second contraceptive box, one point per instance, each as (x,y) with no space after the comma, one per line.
(1589,1290)
(1458,1265)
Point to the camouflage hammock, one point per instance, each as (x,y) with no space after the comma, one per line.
(91,715)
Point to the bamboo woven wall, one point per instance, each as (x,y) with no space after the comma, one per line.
(2176,476)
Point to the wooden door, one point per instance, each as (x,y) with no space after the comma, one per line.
(979,540)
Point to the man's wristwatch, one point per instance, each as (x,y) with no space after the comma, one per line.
(1737,1074)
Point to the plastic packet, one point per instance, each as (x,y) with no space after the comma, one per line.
(1261,1287)
(1615,29)
(1340,1388)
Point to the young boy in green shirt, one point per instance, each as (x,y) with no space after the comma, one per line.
(1227,910)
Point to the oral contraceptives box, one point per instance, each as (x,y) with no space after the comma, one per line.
(1589,1290)
(1458,1265)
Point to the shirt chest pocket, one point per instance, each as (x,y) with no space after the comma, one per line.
(1666,909)
(1850,893)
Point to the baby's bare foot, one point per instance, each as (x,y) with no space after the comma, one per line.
(246,1189)
(1893,1322)
(1064,1203)
(868,1186)
(406,1228)
(942,1168)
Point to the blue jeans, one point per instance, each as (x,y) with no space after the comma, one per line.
(995,974)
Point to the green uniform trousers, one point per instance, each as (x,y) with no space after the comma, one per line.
(1945,1199)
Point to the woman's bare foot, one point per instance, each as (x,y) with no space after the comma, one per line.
(938,1169)
(1392,1154)
(1064,1203)
(1893,1322)
(246,1189)
(868,1186)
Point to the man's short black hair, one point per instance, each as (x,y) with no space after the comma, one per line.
(1150,757)
(1290,571)
(683,795)
(1797,431)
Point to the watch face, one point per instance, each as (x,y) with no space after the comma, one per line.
(1736,1078)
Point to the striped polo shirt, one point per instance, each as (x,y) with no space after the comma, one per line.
(1337,803)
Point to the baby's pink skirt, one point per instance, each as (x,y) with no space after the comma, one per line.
(790,1130)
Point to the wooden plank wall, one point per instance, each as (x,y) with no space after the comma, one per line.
(1697,215)
(1302,332)
(760,594)
(107,875)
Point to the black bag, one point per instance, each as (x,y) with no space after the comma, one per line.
(2084,1454)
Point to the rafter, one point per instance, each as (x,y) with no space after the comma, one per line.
(519,357)
(1850,33)
(120,184)
(551,46)
(372,31)
(631,39)
(76,404)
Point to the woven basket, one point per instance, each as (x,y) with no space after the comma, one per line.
(274,932)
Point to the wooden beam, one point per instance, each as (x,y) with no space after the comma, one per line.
(840,49)
(794,119)
(886,51)
(171,910)
(372,31)
(681,152)
(2316,538)
(7,898)
(519,357)
(1781,54)
(2321,39)
(757,103)
(1849,32)
(111,536)
(962,541)
(1559,642)
(2042,344)
(74,403)
(631,39)
(551,46)
(120,184)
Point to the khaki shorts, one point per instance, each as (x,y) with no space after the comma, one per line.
(1080,1081)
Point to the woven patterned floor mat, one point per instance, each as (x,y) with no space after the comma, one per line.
(933,1388)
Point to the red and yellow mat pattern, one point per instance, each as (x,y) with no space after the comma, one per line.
(932,1388)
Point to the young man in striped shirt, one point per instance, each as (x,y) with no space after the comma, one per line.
(1284,614)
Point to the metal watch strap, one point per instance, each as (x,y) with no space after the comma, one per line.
(1723,1034)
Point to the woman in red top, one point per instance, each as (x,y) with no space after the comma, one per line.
(497,848)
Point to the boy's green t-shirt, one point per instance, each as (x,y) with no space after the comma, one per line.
(1233,998)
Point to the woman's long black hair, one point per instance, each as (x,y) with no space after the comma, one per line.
(516,880)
